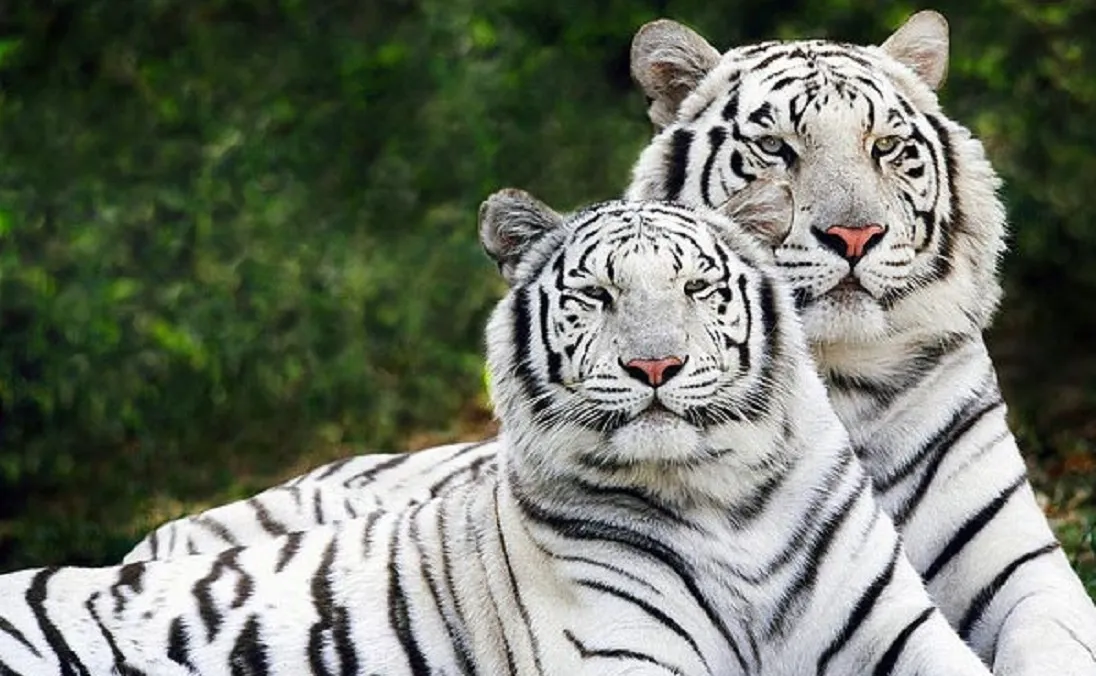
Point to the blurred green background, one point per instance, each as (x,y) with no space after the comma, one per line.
(237,236)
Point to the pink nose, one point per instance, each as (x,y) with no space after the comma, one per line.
(856,240)
(654,372)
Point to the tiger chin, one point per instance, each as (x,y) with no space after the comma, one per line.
(558,564)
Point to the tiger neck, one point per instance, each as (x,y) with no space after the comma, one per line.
(890,396)
(890,365)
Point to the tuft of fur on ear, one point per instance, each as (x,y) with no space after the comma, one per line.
(511,221)
(668,61)
(764,208)
(922,45)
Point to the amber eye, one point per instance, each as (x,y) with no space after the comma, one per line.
(597,293)
(695,286)
(885,144)
(770,144)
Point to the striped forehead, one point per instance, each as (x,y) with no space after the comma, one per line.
(626,240)
(810,77)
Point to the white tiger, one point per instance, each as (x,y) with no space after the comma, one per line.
(662,424)
(893,259)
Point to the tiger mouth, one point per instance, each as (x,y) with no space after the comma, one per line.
(656,410)
(848,285)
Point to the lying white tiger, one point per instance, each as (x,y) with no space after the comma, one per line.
(662,425)
(893,258)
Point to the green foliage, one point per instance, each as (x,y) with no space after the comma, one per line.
(235,235)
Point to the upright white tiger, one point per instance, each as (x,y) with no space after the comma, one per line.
(662,424)
(893,259)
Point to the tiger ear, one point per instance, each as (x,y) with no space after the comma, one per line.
(922,45)
(511,221)
(764,208)
(668,61)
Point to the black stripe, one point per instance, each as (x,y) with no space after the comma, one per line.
(716,137)
(522,342)
(266,521)
(153,541)
(363,478)
(763,113)
(882,392)
(938,451)
(120,666)
(864,606)
(317,506)
(730,110)
(677,163)
(349,508)
(971,528)
(617,654)
(972,410)
(661,617)
(248,656)
(1004,623)
(178,644)
(767,321)
(804,529)
(985,595)
(472,469)
(211,616)
(750,507)
(738,166)
(36,599)
(455,476)
(473,524)
(807,576)
(616,570)
(13,631)
(956,219)
(331,627)
(522,609)
(5,670)
(890,658)
(129,576)
(444,535)
(291,546)
(332,468)
(457,636)
(1073,635)
(399,616)
(632,499)
(555,363)
(217,528)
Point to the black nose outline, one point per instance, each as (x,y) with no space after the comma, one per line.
(668,372)
(841,247)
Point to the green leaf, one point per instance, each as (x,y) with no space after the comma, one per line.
(8,49)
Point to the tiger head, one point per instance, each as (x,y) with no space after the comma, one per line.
(639,332)
(898,229)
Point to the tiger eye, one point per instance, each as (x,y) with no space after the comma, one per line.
(885,144)
(770,144)
(597,293)
(694,286)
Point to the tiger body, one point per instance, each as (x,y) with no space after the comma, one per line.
(638,522)
(892,259)
(895,313)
